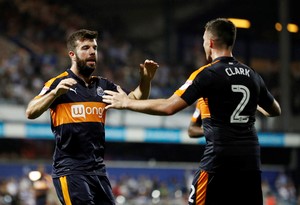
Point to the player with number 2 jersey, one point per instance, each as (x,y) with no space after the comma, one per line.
(229,171)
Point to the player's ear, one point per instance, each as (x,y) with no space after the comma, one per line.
(211,43)
(71,53)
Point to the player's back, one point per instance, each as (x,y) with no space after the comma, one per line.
(233,94)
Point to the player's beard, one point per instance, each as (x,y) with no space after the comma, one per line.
(83,68)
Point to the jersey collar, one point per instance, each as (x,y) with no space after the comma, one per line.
(224,58)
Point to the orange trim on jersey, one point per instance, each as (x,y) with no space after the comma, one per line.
(189,81)
(78,112)
(201,188)
(201,109)
(65,190)
(49,83)
(204,109)
(196,113)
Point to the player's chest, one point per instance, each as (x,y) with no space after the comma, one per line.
(81,93)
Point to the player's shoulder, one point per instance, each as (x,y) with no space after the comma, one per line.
(57,78)
(100,79)
(209,66)
(103,82)
(201,69)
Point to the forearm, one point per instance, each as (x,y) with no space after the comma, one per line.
(150,106)
(142,91)
(262,111)
(119,100)
(147,72)
(195,131)
(38,106)
(272,111)
(168,106)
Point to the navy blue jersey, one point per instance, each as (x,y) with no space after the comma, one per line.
(232,92)
(77,121)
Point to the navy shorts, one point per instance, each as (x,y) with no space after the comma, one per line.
(84,189)
(226,188)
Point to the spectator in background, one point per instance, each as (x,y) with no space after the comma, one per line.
(11,191)
(285,188)
(26,192)
(42,186)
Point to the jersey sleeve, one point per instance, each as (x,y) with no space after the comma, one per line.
(51,84)
(193,88)
(48,86)
(265,98)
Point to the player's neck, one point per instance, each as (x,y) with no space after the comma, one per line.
(85,79)
(221,53)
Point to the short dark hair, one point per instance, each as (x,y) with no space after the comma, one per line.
(81,35)
(223,29)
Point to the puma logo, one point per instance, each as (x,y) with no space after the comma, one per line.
(74,90)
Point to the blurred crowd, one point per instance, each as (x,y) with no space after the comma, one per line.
(135,190)
(33,34)
(33,37)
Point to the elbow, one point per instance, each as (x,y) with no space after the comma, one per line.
(277,109)
(190,133)
(193,133)
(30,115)
(273,111)
(276,112)
(29,112)
(169,111)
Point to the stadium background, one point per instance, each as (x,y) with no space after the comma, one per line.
(150,159)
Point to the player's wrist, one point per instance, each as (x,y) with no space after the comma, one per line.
(54,93)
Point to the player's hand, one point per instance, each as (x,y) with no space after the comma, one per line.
(148,69)
(64,86)
(117,100)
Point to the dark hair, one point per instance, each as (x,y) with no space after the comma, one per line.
(81,35)
(223,29)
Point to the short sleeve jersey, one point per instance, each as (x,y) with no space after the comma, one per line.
(232,91)
(77,122)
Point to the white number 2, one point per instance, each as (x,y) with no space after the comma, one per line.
(236,117)
(191,200)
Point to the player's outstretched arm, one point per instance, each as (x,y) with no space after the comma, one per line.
(147,72)
(119,100)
